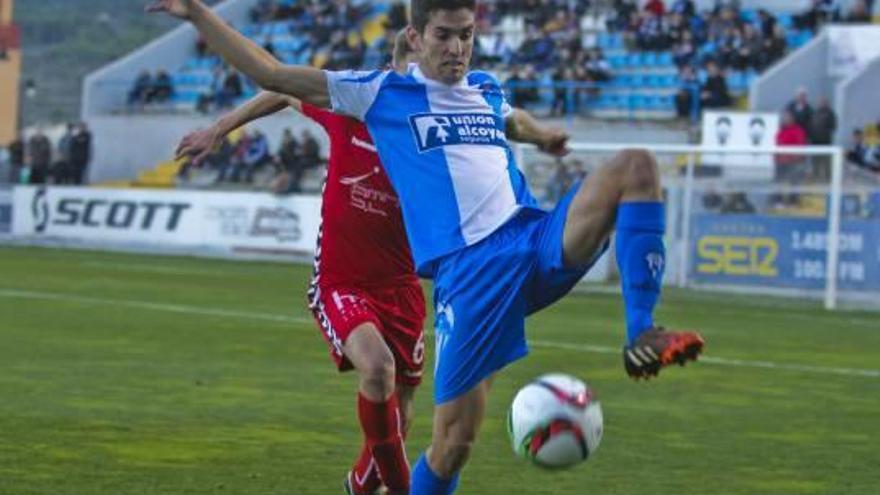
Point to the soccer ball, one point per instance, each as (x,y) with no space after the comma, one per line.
(555,421)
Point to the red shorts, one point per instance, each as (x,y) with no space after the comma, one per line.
(398,312)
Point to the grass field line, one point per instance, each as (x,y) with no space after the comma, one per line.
(538,343)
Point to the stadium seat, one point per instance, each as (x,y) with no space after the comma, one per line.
(617,61)
(665,58)
(786,21)
(634,59)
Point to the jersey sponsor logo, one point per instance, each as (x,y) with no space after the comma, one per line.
(349,181)
(369,199)
(435,130)
(360,143)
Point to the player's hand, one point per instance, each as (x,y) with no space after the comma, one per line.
(177,8)
(198,145)
(555,143)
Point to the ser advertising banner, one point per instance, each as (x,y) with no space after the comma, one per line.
(779,252)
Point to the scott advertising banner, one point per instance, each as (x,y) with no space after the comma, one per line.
(780,252)
(257,223)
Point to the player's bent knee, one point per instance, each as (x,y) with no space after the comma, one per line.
(640,173)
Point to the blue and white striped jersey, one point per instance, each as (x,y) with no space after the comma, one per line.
(445,151)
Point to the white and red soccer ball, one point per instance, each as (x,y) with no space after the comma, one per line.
(555,421)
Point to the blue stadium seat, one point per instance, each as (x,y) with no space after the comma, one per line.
(637,80)
(617,61)
(665,58)
(620,81)
(666,103)
(185,96)
(785,20)
(649,58)
(634,59)
(736,81)
(638,102)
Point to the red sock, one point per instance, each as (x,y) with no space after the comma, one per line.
(365,476)
(381,423)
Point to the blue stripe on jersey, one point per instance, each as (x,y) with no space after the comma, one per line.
(369,77)
(425,179)
(494,96)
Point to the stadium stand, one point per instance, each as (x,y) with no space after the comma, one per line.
(624,62)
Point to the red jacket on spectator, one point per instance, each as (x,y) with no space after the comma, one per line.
(656,6)
(790,135)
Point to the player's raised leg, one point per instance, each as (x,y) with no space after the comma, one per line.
(379,413)
(625,195)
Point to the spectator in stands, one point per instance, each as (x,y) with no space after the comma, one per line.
(162,89)
(823,123)
(859,152)
(737,202)
(201,47)
(684,99)
(289,164)
(656,7)
(310,151)
(790,168)
(262,11)
(774,46)
(16,158)
(598,68)
(624,10)
(651,35)
(520,87)
(138,95)
(859,13)
(800,108)
(767,23)
(40,157)
(749,53)
(495,49)
(714,93)
(256,156)
(231,89)
(397,19)
(61,170)
(80,153)
(684,8)
(685,51)
(561,90)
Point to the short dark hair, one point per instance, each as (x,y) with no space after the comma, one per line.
(420,10)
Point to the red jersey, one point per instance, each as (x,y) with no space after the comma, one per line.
(362,238)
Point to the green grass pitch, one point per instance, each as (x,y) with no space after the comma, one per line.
(124,374)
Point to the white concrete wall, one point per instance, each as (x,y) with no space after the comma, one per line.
(124,145)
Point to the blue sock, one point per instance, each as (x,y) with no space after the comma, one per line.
(425,482)
(641,258)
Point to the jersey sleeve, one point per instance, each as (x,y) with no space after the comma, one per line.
(353,92)
(492,90)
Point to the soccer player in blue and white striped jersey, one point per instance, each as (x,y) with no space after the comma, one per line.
(473,226)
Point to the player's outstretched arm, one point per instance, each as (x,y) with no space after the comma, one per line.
(305,83)
(522,127)
(201,143)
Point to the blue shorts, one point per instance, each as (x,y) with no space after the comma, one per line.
(483,293)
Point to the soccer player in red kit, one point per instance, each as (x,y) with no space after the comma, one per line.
(365,294)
